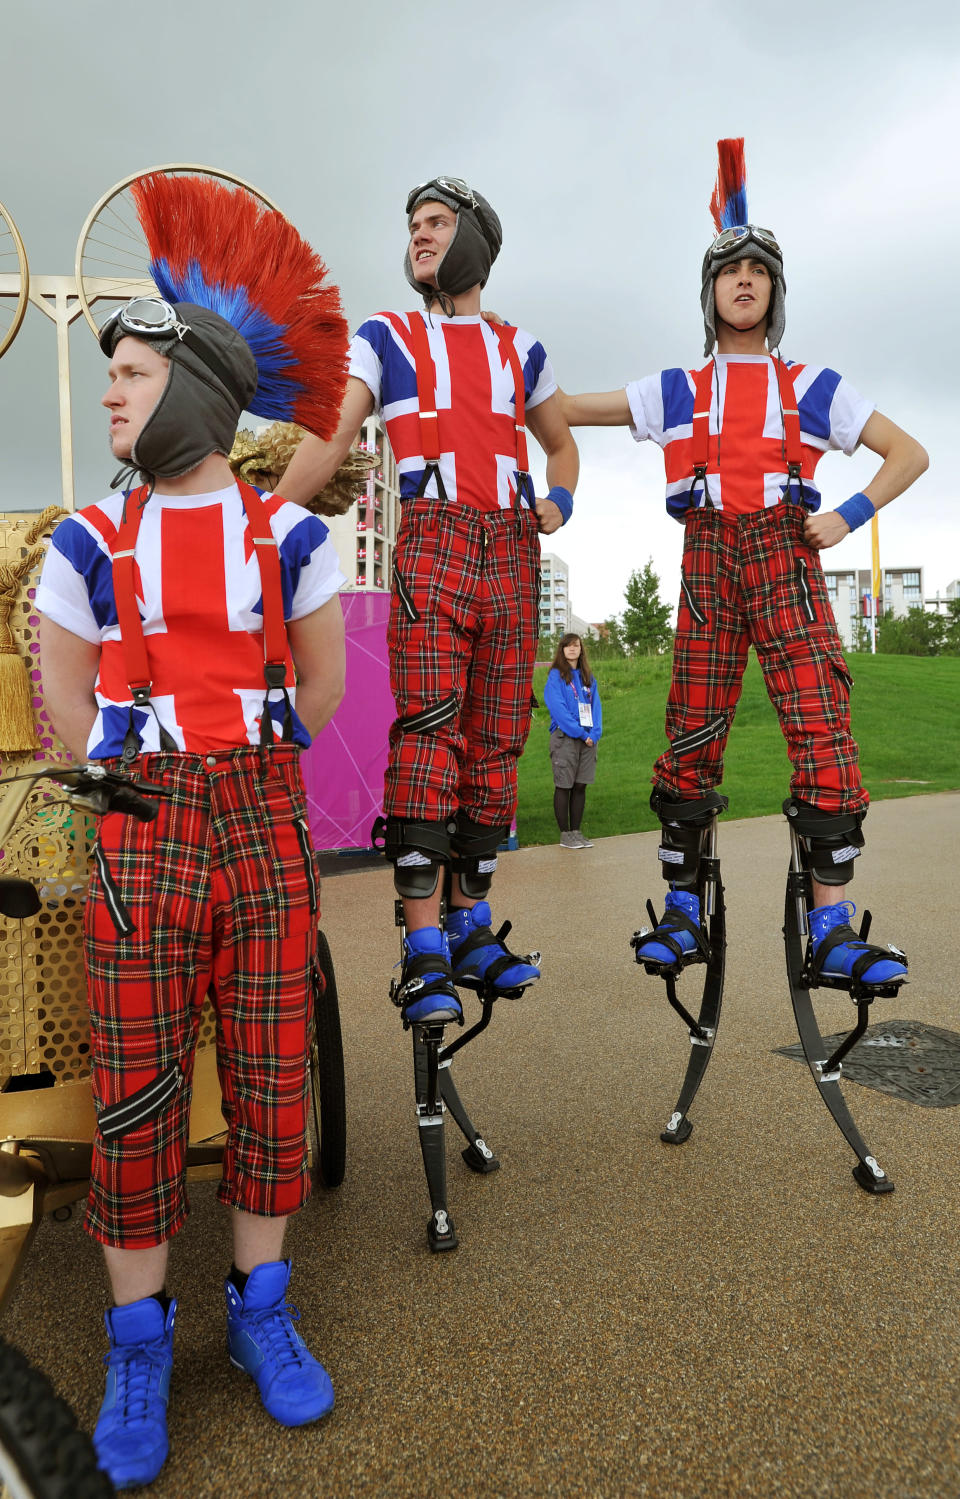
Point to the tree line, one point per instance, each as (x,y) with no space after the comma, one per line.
(643,628)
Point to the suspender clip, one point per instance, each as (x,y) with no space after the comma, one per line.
(141,694)
(274,674)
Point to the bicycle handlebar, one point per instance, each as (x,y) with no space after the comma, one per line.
(96,788)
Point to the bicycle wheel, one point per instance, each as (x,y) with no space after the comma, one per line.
(14,280)
(43,1453)
(327,1087)
(111,259)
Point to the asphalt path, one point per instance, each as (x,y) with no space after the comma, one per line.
(731,1317)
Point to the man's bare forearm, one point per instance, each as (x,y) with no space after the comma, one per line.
(311,468)
(315,462)
(563,465)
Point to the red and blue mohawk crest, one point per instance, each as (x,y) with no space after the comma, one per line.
(729,202)
(221,248)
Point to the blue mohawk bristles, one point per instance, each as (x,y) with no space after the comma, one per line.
(277,390)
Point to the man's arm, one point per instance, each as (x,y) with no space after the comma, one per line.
(69,666)
(904,460)
(316,642)
(608,408)
(563,461)
(314,463)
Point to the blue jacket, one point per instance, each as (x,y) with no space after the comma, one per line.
(562,697)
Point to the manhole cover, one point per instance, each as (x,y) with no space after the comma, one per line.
(920,1063)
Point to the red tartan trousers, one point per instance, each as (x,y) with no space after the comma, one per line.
(221,891)
(464,619)
(751,580)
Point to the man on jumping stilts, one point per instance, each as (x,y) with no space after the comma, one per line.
(742,438)
(455,394)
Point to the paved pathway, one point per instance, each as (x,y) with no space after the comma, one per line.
(733,1317)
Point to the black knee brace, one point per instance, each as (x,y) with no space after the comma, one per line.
(473,854)
(830,841)
(417,851)
(681,841)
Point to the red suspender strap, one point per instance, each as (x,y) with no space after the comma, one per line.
(703,390)
(793,451)
(426,390)
(508,352)
(268,560)
(125,594)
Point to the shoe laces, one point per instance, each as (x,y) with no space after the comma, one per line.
(139,1369)
(273,1328)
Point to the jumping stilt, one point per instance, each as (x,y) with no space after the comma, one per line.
(802,977)
(711,955)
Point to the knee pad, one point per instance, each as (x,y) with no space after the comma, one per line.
(681,840)
(418,851)
(829,841)
(473,854)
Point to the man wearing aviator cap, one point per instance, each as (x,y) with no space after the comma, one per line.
(742,438)
(173,615)
(455,394)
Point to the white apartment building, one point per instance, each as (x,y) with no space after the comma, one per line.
(366,536)
(902,591)
(555,613)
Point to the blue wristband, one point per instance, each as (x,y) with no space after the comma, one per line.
(563,500)
(857,510)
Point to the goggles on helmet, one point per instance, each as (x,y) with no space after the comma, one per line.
(149,317)
(152,317)
(727,239)
(454,187)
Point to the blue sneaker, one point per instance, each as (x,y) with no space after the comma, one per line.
(679,934)
(480,955)
(130,1437)
(839,953)
(262,1340)
(426,991)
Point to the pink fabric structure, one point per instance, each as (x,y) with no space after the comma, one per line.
(343,768)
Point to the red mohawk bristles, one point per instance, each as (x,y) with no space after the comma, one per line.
(223,249)
(729,202)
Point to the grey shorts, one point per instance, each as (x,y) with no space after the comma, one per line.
(574,761)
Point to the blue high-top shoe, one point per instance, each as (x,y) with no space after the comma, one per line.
(839,953)
(262,1340)
(130,1437)
(479,955)
(679,934)
(427,977)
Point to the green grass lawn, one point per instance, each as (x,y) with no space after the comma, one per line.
(906,718)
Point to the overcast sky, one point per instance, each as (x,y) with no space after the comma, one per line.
(592,129)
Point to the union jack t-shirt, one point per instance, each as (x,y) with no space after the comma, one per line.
(197,585)
(475,400)
(747,467)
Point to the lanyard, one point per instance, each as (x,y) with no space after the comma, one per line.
(134,645)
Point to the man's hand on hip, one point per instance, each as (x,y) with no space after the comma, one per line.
(549,517)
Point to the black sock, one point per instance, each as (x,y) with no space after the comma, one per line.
(238,1278)
(561,808)
(578,797)
(163,1299)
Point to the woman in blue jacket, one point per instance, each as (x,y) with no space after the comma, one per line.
(576,722)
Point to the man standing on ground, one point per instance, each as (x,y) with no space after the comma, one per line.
(172,617)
